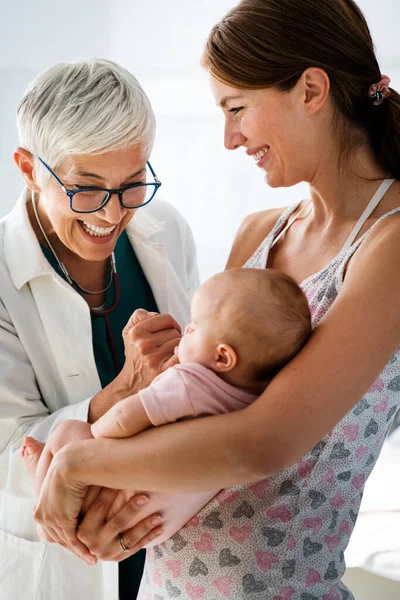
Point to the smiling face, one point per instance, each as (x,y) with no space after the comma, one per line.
(275,128)
(91,236)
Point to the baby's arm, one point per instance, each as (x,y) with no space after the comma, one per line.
(124,419)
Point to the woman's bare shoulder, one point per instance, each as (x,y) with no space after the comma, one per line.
(253,230)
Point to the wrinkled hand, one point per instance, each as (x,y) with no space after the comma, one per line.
(150,340)
(58,507)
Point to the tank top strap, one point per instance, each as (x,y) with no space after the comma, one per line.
(373,203)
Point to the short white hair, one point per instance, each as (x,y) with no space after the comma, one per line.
(88,107)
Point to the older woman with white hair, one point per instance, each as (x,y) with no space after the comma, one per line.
(79,254)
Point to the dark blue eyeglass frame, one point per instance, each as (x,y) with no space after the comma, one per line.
(109,192)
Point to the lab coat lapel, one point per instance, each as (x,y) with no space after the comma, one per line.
(65,316)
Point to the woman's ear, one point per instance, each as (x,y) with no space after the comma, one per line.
(315,84)
(226,358)
(25,163)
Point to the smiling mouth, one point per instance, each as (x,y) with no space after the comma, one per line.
(261,153)
(95,230)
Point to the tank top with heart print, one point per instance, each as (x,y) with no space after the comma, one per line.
(284,538)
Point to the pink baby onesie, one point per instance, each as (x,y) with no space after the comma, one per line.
(184,392)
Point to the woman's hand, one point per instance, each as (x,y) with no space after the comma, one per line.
(102,536)
(58,507)
(150,340)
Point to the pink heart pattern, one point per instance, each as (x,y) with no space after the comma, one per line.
(382,406)
(195,592)
(305,467)
(314,523)
(240,534)
(174,566)
(225,496)
(194,522)
(205,543)
(351,432)
(266,560)
(260,488)
(313,577)
(280,512)
(286,593)
(223,585)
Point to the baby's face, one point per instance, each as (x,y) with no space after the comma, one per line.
(199,343)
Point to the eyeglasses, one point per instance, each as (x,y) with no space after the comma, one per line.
(90,199)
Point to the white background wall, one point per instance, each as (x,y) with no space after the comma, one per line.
(161,43)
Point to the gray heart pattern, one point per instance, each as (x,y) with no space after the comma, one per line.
(307,596)
(361,406)
(331,572)
(391,412)
(334,521)
(288,568)
(212,521)
(198,568)
(158,597)
(394,384)
(370,461)
(274,536)
(227,559)
(172,590)
(251,585)
(310,547)
(339,451)
(158,552)
(353,516)
(371,429)
(288,488)
(244,510)
(178,543)
(318,499)
(345,594)
(318,449)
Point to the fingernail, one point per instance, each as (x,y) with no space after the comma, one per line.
(91,561)
(157,532)
(156,520)
(142,500)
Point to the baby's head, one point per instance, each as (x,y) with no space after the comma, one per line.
(246,324)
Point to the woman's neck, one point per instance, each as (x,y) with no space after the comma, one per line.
(342,194)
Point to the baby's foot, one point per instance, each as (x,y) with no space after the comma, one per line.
(31,451)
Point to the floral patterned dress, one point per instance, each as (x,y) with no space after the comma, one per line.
(284,538)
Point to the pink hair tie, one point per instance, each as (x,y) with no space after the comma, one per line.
(379,91)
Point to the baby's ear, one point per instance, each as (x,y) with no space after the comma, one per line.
(225,359)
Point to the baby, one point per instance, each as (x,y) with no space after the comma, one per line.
(246,324)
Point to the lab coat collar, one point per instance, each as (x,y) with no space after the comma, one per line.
(24,257)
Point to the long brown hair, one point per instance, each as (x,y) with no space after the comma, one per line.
(270,43)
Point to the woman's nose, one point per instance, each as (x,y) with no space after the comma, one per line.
(233,138)
(114,211)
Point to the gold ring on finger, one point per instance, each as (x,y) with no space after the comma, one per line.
(121,543)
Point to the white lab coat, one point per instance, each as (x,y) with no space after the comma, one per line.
(48,374)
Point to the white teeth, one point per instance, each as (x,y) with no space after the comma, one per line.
(258,156)
(97,231)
